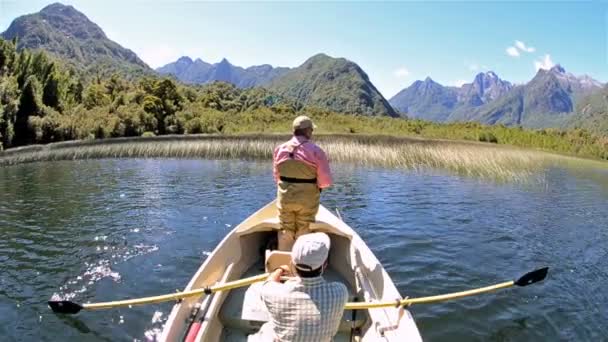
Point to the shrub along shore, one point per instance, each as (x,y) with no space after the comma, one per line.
(480,160)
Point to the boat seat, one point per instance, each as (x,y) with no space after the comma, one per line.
(245,311)
(275,259)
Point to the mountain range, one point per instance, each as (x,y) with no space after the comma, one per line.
(199,72)
(321,81)
(430,100)
(548,100)
(553,98)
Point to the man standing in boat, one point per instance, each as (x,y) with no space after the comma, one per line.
(306,307)
(301,170)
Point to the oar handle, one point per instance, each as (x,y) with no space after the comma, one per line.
(177,295)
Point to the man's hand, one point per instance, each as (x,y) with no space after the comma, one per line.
(276,274)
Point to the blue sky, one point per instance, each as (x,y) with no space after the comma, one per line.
(394,42)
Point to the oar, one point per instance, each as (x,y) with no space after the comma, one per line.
(525,280)
(69,307)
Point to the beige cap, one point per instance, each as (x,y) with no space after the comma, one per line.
(302,122)
(310,251)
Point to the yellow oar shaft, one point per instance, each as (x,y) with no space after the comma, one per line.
(177,295)
(430,299)
(255,279)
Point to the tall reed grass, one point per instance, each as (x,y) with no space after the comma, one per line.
(463,158)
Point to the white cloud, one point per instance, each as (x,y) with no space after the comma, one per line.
(512,51)
(515,51)
(544,63)
(520,45)
(402,72)
(473,67)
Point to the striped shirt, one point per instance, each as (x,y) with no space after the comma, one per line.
(306,152)
(305,309)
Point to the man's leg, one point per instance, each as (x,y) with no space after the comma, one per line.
(286,240)
(308,211)
(303,221)
(287,221)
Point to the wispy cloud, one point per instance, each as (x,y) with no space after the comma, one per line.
(518,48)
(520,45)
(512,51)
(544,63)
(402,72)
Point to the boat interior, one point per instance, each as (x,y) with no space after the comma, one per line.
(248,251)
(243,312)
(234,315)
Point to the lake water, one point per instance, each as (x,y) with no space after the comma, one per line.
(103,230)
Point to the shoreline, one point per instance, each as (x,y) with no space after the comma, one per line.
(469,158)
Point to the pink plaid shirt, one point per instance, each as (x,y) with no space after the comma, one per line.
(308,153)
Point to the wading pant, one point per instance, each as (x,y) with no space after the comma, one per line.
(298,203)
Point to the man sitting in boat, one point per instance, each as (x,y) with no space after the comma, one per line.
(301,170)
(305,308)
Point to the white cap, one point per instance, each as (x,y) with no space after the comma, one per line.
(302,122)
(310,251)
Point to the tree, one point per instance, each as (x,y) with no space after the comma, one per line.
(75,91)
(134,121)
(115,86)
(29,105)
(9,105)
(51,93)
(7,56)
(95,96)
(45,128)
(40,65)
(162,100)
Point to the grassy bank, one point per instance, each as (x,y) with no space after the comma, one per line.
(480,160)
(572,142)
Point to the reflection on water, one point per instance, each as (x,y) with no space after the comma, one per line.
(110,229)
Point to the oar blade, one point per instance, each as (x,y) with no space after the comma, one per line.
(532,277)
(64,306)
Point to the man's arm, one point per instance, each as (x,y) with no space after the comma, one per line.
(324,178)
(269,287)
(275,170)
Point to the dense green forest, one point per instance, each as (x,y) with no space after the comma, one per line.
(43,100)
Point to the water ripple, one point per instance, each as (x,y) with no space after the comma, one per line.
(111,229)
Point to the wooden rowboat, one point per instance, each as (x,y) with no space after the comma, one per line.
(233,315)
